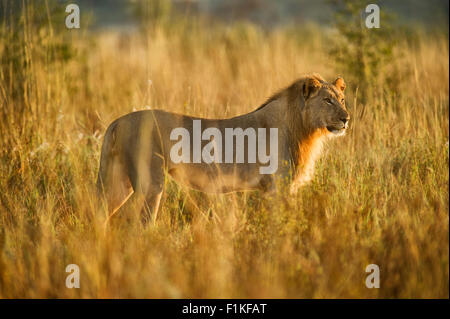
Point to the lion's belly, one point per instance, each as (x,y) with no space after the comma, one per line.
(218,178)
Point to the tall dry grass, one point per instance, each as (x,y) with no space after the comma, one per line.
(380,194)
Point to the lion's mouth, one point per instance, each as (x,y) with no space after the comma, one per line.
(336,130)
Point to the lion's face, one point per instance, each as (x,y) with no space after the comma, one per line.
(325,106)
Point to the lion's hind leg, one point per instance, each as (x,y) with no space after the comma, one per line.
(114,185)
(147,179)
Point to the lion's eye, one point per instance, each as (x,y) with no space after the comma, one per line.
(328,100)
(342,101)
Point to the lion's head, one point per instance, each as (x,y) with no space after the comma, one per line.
(324,104)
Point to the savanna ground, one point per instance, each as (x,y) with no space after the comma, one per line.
(380,194)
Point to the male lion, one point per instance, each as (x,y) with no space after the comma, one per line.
(136,150)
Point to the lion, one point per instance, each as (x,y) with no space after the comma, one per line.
(136,152)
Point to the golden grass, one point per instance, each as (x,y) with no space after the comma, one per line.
(380,194)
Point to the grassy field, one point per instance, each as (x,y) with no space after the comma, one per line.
(380,194)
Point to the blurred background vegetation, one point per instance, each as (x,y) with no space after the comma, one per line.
(380,194)
(264,13)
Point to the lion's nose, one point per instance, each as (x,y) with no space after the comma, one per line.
(345,121)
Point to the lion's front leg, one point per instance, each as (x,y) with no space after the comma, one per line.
(294,187)
(301,178)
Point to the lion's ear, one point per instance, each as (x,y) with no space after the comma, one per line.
(310,87)
(339,84)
